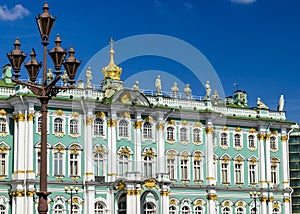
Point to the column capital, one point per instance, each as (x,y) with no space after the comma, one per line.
(260,136)
(209,130)
(160,126)
(138,124)
(284,138)
(211,196)
(30,117)
(111,123)
(89,120)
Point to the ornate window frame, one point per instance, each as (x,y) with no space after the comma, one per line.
(169,133)
(100,149)
(253,161)
(76,150)
(126,152)
(224,135)
(61,132)
(59,148)
(198,156)
(148,120)
(274,142)
(149,153)
(225,161)
(4,150)
(239,161)
(185,166)
(100,116)
(128,121)
(77,126)
(172,154)
(37,148)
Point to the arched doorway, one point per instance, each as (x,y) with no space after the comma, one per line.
(122,204)
(149,203)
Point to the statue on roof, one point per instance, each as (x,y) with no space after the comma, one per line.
(215,97)
(89,77)
(6,74)
(281,103)
(208,90)
(158,85)
(65,78)
(175,90)
(135,86)
(261,105)
(188,91)
(50,75)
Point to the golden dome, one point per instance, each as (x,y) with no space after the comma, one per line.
(112,71)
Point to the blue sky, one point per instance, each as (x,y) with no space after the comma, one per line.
(253,43)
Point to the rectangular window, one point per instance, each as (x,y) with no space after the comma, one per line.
(171,168)
(274,178)
(197,170)
(58,163)
(252,174)
(3,164)
(225,172)
(74,164)
(184,169)
(238,173)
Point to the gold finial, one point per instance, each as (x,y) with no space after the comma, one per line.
(112,71)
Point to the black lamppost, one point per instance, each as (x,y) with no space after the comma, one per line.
(47,89)
(71,191)
(255,195)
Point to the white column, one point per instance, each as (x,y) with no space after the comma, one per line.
(30,202)
(164,201)
(30,151)
(263,209)
(21,147)
(268,160)
(138,200)
(88,142)
(90,199)
(286,204)
(211,198)
(130,204)
(137,143)
(112,147)
(16,145)
(160,145)
(262,163)
(210,179)
(285,159)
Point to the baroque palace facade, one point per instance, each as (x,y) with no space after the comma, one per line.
(132,152)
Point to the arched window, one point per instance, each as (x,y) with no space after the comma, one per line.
(172,210)
(196,135)
(76,209)
(224,141)
(275,171)
(2,209)
(98,164)
(123,128)
(99,208)
(183,134)
(240,210)
(58,125)
(198,210)
(185,210)
(74,164)
(184,165)
(251,142)
(147,130)
(170,133)
(74,128)
(148,166)
(99,126)
(275,211)
(273,144)
(2,125)
(171,169)
(58,209)
(149,208)
(226,210)
(123,165)
(197,169)
(237,140)
(58,159)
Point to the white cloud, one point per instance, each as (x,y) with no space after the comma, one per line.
(188,5)
(18,12)
(243,1)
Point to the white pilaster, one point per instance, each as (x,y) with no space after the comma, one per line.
(160,145)
(29,162)
(211,198)
(137,143)
(165,201)
(112,147)
(262,163)
(210,179)
(21,147)
(88,142)
(285,159)
(90,199)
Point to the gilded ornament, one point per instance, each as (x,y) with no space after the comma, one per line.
(226,159)
(150,183)
(112,71)
(286,200)
(75,114)
(199,202)
(30,117)
(89,120)
(3,112)
(238,129)
(274,132)
(89,173)
(225,128)
(184,123)
(271,199)
(185,156)
(59,112)
(111,123)
(59,134)
(261,136)
(121,185)
(149,152)
(59,148)
(239,160)
(240,204)
(130,192)
(30,193)
(125,151)
(253,161)
(211,197)
(252,130)
(226,203)
(268,136)
(210,178)
(198,124)
(284,138)
(160,126)
(263,199)
(209,130)
(149,119)
(100,149)
(138,124)
(100,114)
(172,122)
(173,202)
(74,149)
(21,117)
(126,115)
(3,149)
(197,155)
(165,193)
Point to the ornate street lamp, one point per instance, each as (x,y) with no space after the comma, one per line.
(71,191)
(46,90)
(255,195)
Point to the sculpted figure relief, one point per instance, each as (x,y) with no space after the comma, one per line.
(260,104)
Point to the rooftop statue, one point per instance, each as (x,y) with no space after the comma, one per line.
(65,78)
(260,104)
(175,90)
(215,97)
(158,85)
(50,75)
(208,90)
(89,77)
(188,91)
(6,74)
(281,103)
(135,86)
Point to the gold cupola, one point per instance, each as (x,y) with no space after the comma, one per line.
(112,71)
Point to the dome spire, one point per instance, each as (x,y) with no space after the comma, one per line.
(112,71)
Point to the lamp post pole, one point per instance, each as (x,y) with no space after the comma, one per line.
(47,89)
(255,195)
(71,191)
